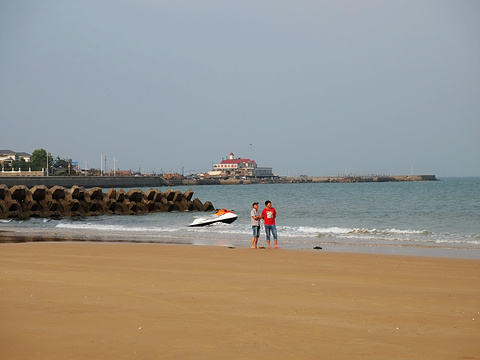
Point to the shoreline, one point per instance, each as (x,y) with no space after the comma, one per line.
(124,300)
(13,236)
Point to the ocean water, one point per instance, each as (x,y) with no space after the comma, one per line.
(440,218)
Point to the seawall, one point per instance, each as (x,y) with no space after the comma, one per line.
(157,181)
(87,181)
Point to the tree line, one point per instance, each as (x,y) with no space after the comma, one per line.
(39,161)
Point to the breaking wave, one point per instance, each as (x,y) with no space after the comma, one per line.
(288,234)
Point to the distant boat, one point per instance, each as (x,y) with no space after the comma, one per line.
(222,215)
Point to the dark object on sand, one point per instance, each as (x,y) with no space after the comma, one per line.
(317,247)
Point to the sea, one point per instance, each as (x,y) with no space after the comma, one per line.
(426,218)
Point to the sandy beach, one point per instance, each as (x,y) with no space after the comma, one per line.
(69,300)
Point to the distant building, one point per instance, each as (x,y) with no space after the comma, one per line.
(263,172)
(238,167)
(11,156)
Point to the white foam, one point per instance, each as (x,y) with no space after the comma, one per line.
(116,228)
(177,229)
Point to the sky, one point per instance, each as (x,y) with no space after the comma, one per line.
(313,87)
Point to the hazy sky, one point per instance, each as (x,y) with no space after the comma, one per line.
(307,86)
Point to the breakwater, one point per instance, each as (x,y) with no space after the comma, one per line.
(356,179)
(158,181)
(308,179)
(21,202)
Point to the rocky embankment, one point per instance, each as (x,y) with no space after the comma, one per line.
(21,202)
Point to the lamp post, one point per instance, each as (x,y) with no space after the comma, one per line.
(47,164)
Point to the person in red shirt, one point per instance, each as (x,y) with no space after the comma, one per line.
(268,215)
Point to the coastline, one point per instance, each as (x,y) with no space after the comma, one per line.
(124,300)
(8,236)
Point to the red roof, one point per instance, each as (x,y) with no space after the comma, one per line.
(236,161)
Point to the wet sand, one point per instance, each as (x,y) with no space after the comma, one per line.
(150,301)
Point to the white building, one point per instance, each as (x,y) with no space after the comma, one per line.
(240,167)
(10,156)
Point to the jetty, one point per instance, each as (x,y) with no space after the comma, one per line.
(309,179)
(21,202)
(366,178)
(159,181)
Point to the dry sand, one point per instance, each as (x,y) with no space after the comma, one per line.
(148,301)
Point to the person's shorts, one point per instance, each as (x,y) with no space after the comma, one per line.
(256,231)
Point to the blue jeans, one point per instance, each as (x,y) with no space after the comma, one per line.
(271,229)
